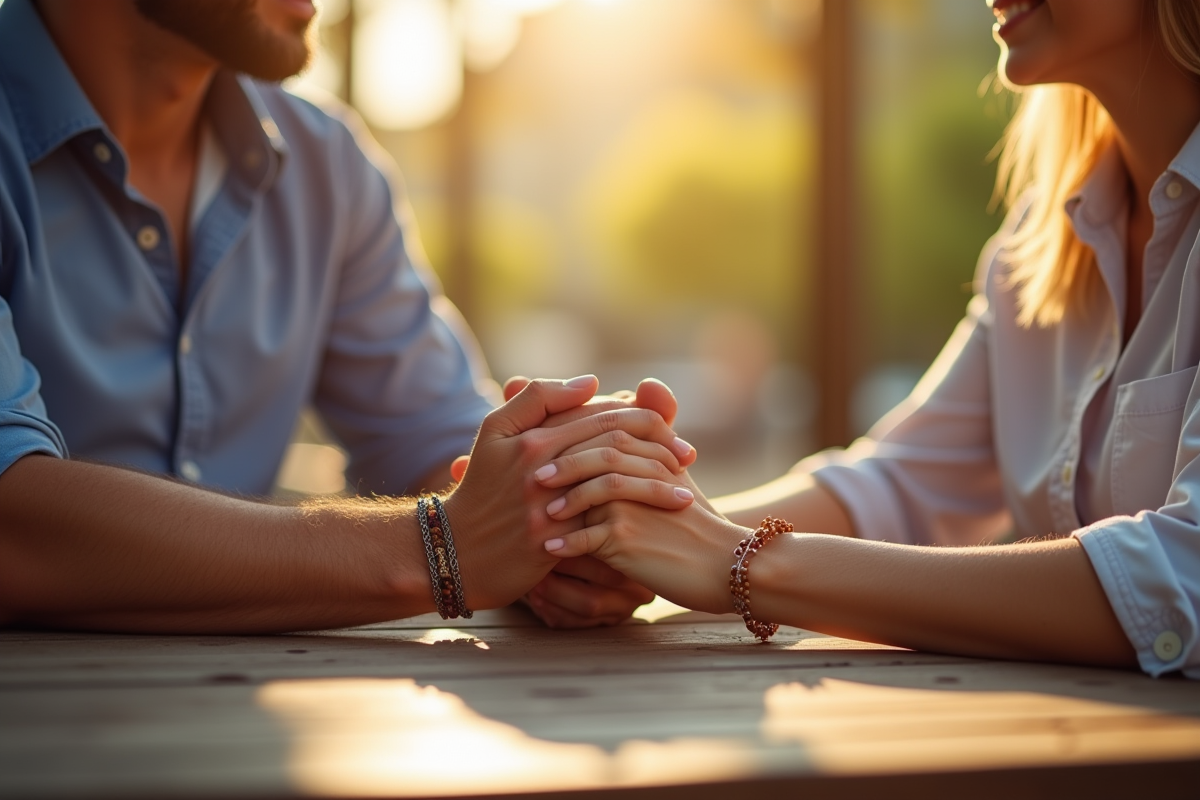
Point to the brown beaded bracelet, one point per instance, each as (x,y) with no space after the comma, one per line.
(739,574)
(443,560)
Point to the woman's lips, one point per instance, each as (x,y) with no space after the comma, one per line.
(1011,13)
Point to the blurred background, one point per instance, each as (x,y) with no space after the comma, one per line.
(773,206)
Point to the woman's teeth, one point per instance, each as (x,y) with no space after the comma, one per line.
(1003,15)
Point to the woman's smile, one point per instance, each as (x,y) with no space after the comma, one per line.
(1011,13)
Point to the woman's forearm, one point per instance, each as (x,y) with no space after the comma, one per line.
(797,497)
(1038,601)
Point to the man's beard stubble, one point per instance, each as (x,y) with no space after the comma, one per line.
(231,32)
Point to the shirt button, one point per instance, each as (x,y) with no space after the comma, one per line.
(1168,646)
(1066,473)
(1099,373)
(185,345)
(102,152)
(147,237)
(1174,189)
(191,471)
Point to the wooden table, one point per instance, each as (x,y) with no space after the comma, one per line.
(680,706)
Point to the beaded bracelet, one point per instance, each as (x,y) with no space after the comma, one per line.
(739,574)
(443,560)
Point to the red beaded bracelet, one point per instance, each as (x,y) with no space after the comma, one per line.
(739,574)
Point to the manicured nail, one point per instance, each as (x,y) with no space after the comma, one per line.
(681,447)
(684,494)
(582,382)
(556,506)
(552,545)
(546,472)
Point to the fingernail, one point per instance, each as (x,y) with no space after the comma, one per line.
(546,472)
(582,382)
(556,506)
(552,545)
(684,494)
(681,447)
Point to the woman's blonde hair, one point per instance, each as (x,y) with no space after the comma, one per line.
(1053,142)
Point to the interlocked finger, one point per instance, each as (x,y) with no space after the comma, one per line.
(614,486)
(637,423)
(584,600)
(590,464)
(597,572)
(620,440)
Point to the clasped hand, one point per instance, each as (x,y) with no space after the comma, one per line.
(502,544)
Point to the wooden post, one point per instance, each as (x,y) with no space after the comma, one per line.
(460,200)
(833,331)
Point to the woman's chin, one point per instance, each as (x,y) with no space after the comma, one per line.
(1017,71)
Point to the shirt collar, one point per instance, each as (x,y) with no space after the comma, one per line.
(247,132)
(1103,194)
(47,103)
(50,107)
(1186,163)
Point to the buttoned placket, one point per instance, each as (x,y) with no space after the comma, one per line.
(147,229)
(1064,514)
(220,228)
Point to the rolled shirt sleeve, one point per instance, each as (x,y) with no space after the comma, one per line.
(398,385)
(1149,566)
(926,473)
(24,426)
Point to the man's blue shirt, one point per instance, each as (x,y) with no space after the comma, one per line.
(299,290)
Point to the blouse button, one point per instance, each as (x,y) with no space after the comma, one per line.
(1099,373)
(1066,473)
(1174,189)
(102,152)
(1168,646)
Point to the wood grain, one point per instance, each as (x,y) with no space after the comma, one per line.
(501,705)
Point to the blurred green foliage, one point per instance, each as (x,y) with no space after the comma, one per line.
(927,183)
(699,204)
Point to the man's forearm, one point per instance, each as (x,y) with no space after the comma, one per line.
(89,546)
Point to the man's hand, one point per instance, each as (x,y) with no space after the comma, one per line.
(499,510)
(583,592)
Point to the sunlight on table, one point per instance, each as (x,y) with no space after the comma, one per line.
(372,737)
(658,608)
(847,726)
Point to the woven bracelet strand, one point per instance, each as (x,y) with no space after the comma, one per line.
(443,561)
(424,514)
(739,574)
(452,556)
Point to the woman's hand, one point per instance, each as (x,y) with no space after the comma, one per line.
(683,555)
(497,513)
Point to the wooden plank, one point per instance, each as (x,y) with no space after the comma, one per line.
(98,660)
(339,736)
(409,712)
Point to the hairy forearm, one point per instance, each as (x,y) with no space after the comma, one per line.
(1039,601)
(96,547)
(795,497)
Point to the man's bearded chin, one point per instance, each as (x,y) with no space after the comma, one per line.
(231,32)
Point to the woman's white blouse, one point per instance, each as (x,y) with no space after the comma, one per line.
(1057,431)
